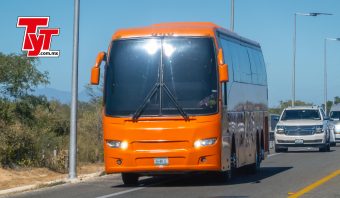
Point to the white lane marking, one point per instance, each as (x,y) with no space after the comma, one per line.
(141,188)
(271,155)
(138,188)
(122,192)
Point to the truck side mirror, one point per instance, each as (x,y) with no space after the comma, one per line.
(95,72)
(222,67)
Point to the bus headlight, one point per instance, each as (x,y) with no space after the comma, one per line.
(204,142)
(117,144)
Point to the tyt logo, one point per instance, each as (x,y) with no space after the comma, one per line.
(37,40)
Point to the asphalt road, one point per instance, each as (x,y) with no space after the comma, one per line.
(281,175)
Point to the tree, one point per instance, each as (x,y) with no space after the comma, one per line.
(285,104)
(19,75)
(336,100)
(18,78)
(329,105)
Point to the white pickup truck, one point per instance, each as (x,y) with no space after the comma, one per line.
(302,126)
(335,122)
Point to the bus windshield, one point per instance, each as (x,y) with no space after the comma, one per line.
(301,114)
(161,76)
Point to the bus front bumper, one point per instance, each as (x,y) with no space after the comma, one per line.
(204,159)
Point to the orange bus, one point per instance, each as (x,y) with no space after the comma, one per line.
(182,97)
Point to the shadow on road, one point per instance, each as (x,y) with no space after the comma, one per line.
(206,179)
(309,150)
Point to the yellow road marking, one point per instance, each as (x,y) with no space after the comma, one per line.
(315,184)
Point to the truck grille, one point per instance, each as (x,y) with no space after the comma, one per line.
(299,130)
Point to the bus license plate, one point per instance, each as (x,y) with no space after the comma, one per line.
(161,161)
(298,141)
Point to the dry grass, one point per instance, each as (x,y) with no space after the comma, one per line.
(10,178)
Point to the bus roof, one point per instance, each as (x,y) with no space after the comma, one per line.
(179,29)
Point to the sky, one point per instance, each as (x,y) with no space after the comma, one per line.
(269,22)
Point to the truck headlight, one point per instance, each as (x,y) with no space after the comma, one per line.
(337,128)
(204,142)
(117,144)
(319,129)
(280,130)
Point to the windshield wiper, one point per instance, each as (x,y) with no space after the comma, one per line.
(155,88)
(140,109)
(172,98)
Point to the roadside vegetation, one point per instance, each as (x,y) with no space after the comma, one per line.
(285,104)
(34,132)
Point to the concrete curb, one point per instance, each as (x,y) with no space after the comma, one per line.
(81,178)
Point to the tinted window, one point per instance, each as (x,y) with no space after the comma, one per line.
(301,114)
(262,70)
(227,55)
(186,67)
(131,74)
(257,67)
(190,74)
(236,56)
(335,115)
(241,63)
(274,119)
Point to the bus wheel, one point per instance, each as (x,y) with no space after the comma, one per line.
(223,176)
(233,165)
(130,179)
(255,167)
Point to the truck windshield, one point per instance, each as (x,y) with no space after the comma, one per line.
(161,76)
(335,115)
(301,114)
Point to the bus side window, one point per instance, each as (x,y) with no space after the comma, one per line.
(255,66)
(262,68)
(227,55)
(258,68)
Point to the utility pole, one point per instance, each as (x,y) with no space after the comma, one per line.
(232,15)
(313,14)
(74,102)
(325,70)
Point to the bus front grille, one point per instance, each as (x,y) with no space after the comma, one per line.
(159,145)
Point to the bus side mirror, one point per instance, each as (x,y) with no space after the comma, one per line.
(222,67)
(223,70)
(95,72)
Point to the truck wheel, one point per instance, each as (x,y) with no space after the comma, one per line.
(280,150)
(130,179)
(325,148)
(328,148)
(322,149)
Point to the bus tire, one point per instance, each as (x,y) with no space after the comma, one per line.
(224,176)
(255,167)
(233,160)
(130,179)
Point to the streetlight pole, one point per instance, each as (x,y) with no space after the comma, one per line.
(325,69)
(294,48)
(232,15)
(74,102)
